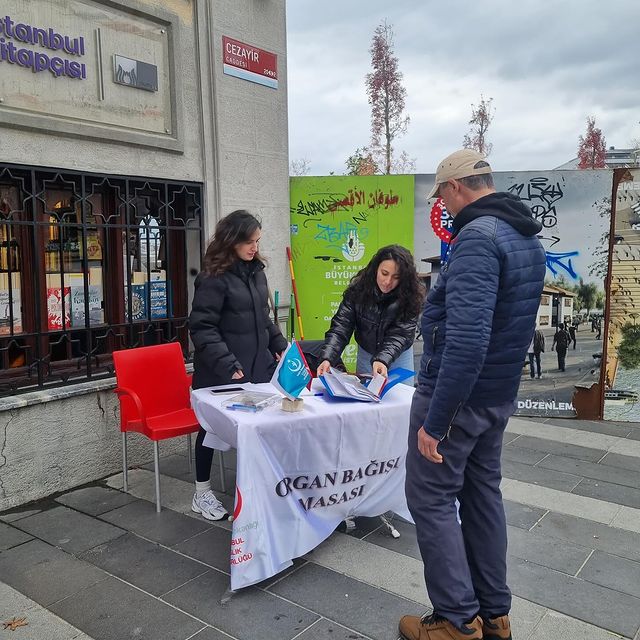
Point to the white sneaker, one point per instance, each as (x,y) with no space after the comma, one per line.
(209,506)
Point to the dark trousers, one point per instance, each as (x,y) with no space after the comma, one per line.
(562,354)
(204,458)
(464,564)
(537,361)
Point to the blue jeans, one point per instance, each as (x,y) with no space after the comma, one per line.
(403,361)
(465,563)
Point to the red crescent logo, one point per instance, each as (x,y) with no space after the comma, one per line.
(439,220)
(238,507)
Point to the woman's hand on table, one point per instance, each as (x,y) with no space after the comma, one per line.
(379,367)
(324,367)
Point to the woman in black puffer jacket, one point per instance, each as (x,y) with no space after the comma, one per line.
(381,306)
(233,335)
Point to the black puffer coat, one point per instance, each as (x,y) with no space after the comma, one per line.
(377,325)
(231,329)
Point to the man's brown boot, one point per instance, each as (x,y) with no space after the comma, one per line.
(435,627)
(497,628)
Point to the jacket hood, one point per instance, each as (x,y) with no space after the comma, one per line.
(504,206)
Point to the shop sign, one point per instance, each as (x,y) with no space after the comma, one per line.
(249,63)
(13,35)
(134,73)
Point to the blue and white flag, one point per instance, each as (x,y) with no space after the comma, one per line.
(292,374)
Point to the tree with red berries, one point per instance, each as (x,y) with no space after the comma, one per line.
(386,95)
(481,117)
(591,147)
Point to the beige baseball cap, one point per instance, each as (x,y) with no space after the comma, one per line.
(460,164)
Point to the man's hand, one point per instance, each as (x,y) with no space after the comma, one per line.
(324,367)
(428,446)
(279,356)
(379,367)
(237,375)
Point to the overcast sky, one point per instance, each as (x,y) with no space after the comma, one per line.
(547,65)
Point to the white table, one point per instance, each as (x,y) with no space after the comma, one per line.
(300,474)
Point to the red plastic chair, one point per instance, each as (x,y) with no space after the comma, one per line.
(153,388)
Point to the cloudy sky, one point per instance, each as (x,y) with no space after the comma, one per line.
(547,65)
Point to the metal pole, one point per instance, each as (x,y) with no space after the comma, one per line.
(156,462)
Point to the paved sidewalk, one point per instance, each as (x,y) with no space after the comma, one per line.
(98,563)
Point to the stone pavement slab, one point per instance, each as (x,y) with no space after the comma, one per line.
(545,550)
(41,623)
(522,515)
(620,461)
(613,493)
(251,613)
(211,547)
(209,633)
(560,501)
(144,564)
(323,629)
(95,500)
(595,471)
(556,626)
(113,610)
(594,535)
(46,574)
(166,527)
(515,453)
(68,529)
(391,571)
(366,609)
(544,477)
(12,537)
(613,572)
(577,598)
(558,448)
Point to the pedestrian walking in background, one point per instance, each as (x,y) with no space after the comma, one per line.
(561,340)
(477,323)
(536,348)
(572,334)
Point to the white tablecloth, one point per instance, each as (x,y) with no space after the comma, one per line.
(300,474)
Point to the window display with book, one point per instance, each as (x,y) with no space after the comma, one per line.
(88,264)
(73,269)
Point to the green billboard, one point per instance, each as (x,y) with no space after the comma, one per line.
(337,225)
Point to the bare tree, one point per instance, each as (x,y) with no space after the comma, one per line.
(362,163)
(300,167)
(404,164)
(481,118)
(592,147)
(386,95)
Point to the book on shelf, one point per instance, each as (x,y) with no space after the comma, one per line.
(138,301)
(158,299)
(10,307)
(344,385)
(78,307)
(58,307)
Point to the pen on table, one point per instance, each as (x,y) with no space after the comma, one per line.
(318,394)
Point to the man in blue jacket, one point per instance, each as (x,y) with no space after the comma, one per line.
(477,324)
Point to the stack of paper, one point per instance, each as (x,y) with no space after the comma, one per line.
(342,385)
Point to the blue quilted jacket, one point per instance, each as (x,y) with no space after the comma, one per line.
(480,316)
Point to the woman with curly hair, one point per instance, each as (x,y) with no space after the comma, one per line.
(381,306)
(235,340)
